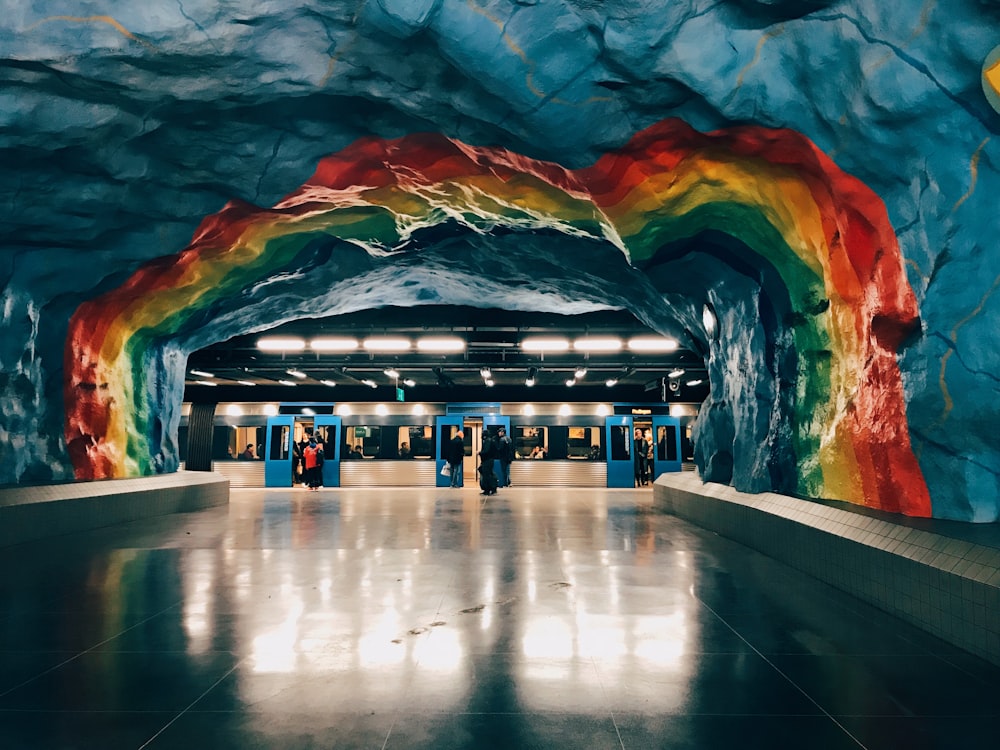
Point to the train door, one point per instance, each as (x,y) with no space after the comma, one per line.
(666,445)
(328,429)
(445,429)
(492,423)
(618,436)
(278,451)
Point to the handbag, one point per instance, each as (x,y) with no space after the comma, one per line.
(446,470)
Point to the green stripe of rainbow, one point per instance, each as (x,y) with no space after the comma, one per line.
(827,235)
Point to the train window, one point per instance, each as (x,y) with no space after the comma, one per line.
(621,439)
(327,434)
(415,442)
(364,440)
(531,442)
(279,442)
(584,443)
(666,443)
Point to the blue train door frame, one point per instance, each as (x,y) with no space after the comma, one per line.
(618,438)
(444,428)
(330,428)
(666,445)
(496,420)
(278,451)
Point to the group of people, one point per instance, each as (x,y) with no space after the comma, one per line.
(643,457)
(308,457)
(497,450)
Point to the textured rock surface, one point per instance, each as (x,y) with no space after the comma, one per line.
(122,125)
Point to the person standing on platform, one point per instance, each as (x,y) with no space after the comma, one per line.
(487,455)
(506,457)
(310,461)
(639,450)
(456,457)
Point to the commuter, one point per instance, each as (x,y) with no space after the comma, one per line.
(404,451)
(648,437)
(311,458)
(248,454)
(357,452)
(487,455)
(456,457)
(538,452)
(506,451)
(639,451)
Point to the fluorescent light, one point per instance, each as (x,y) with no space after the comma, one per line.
(328,382)
(386,344)
(202,373)
(545,344)
(205,382)
(693,382)
(652,344)
(333,344)
(308,411)
(485,372)
(675,373)
(529,381)
(370,383)
(441,344)
(245,382)
(598,344)
(281,344)
(611,382)
(287,382)
(489,382)
(580,373)
(409,382)
(296,373)
(391,373)
(571,382)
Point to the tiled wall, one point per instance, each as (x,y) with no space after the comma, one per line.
(30,513)
(946,585)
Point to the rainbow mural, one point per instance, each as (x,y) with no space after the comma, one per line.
(825,232)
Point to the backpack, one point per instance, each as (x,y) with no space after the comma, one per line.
(319,457)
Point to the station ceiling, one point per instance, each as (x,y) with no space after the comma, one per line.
(494,341)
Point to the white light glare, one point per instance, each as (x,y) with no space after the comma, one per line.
(409,382)
(542,344)
(386,344)
(202,374)
(565,410)
(391,372)
(328,382)
(603,410)
(598,344)
(440,344)
(281,345)
(611,382)
(693,382)
(205,382)
(296,373)
(344,410)
(245,382)
(675,373)
(333,344)
(287,382)
(571,382)
(580,373)
(370,383)
(381,410)
(652,344)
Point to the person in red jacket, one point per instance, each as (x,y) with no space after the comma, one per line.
(311,459)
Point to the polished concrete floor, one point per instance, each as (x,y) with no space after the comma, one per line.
(423,618)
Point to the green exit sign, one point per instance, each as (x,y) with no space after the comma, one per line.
(399,394)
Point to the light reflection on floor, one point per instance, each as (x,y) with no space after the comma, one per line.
(410,618)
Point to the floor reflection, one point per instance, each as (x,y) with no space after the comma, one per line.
(437,618)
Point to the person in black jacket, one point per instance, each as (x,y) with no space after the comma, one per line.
(487,455)
(640,449)
(456,457)
(506,456)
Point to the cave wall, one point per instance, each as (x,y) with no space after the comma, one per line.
(122,127)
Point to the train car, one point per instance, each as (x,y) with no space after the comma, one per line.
(386,445)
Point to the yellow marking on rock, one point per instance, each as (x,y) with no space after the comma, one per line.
(93,19)
(974,171)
